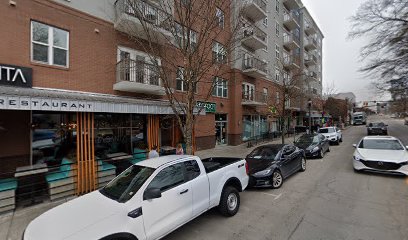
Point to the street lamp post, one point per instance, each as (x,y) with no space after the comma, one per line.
(309,106)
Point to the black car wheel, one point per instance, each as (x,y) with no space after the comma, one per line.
(341,139)
(277,179)
(328,149)
(230,201)
(303,163)
(338,142)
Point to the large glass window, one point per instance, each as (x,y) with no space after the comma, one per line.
(219,53)
(220,87)
(49,45)
(54,137)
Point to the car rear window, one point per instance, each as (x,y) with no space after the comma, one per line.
(381,144)
(326,130)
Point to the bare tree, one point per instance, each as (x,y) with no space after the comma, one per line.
(187,40)
(385,24)
(329,90)
(292,92)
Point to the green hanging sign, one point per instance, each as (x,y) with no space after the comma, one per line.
(209,107)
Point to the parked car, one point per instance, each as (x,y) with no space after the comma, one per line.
(147,201)
(377,128)
(333,134)
(270,164)
(383,154)
(314,145)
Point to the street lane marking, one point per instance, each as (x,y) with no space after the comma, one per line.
(274,195)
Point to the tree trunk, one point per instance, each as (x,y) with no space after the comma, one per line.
(188,133)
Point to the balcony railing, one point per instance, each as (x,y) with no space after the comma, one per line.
(291,19)
(254,37)
(291,61)
(251,62)
(254,9)
(291,40)
(138,72)
(310,43)
(252,97)
(145,11)
(256,32)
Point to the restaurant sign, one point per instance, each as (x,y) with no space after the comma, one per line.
(208,106)
(16,76)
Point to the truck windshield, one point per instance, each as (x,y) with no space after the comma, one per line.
(124,186)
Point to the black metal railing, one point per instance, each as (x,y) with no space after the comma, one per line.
(137,71)
(254,96)
(250,62)
(253,30)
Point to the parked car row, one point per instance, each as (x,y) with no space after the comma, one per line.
(154,197)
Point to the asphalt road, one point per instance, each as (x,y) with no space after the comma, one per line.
(328,201)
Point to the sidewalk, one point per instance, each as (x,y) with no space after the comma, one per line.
(13,224)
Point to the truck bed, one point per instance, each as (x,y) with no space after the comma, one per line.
(215,163)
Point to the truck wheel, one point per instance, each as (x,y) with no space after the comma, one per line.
(229,203)
(341,139)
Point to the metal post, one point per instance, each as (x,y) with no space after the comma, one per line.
(309,105)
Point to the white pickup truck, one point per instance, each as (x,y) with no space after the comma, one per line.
(147,201)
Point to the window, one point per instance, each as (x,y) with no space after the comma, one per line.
(219,54)
(287,103)
(182,37)
(277,5)
(220,87)
(265,21)
(192,170)
(248,92)
(49,45)
(168,178)
(277,74)
(277,98)
(277,51)
(123,187)
(181,84)
(277,29)
(219,14)
(265,94)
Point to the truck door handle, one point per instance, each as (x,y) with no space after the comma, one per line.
(184,191)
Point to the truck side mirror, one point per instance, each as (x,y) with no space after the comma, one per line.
(355,145)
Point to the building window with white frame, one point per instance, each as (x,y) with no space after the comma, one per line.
(277,52)
(182,38)
(277,74)
(219,53)
(277,98)
(277,29)
(219,14)
(49,45)
(265,95)
(220,87)
(277,6)
(181,84)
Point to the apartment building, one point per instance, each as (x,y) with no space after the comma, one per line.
(281,44)
(76,91)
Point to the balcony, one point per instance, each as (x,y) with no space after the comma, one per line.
(290,61)
(309,29)
(290,40)
(253,67)
(254,10)
(143,20)
(254,38)
(310,43)
(310,60)
(291,19)
(138,77)
(292,4)
(253,99)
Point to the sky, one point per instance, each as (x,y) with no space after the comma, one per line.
(341,60)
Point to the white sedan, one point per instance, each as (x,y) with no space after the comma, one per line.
(383,154)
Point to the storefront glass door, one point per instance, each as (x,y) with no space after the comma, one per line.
(221,129)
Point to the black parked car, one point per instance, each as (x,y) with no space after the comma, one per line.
(270,164)
(314,145)
(377,128)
